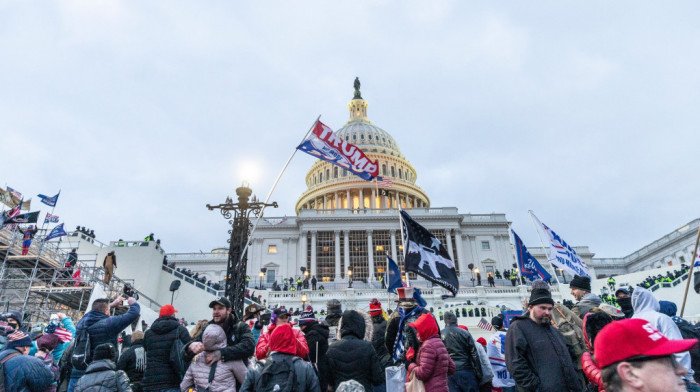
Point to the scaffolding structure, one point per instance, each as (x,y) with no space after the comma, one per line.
(38,283)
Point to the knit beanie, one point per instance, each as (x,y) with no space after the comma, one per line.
(307,318)
(449,318)
(17,316)
(333,306)
(497,322)
(375,307)
(18,339)
(47,342)
(581,282)
(540,293)
(104,351)
(481,341)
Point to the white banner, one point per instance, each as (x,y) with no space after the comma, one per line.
(561,254)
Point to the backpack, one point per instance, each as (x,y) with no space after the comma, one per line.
(82,350)
(688,331)
(2,369)
(277,376)
(177,360)
(573,334)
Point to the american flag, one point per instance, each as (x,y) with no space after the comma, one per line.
(63,335)
(384,182)
(483,324)
(15,336)
(14,193)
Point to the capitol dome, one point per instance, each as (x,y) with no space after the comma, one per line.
(331,187)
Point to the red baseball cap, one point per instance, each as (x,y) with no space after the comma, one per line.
(167,310)
(631,338)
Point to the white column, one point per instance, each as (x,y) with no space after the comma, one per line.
(362,199)
(337,254)
(448,243)
(460,253)
(347,250)
(373,202)
(415,202)
(335,201)
(313,251)
(370,254)
(302,250)
(347,197)
(393,246)
(325,202)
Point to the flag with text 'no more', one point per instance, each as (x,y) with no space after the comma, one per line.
(322,143)
(561,254)
(425,255)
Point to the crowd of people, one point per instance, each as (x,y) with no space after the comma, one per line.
(587,346)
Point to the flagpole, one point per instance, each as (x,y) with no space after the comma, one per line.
(408,282)
(690,272)
(543,248)
(512,248)
(274,185)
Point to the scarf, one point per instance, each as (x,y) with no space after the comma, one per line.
(398,344)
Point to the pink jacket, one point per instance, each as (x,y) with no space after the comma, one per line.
(433,365)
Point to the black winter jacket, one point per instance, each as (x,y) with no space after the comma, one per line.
(105,329)
(103,376)
(306,380)
(409,339)
(240,343)
(158,341)
(133,363)
(378,341)
(462,349)
(352,358)
(317,339)
(539,359)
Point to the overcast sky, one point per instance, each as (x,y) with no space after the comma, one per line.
(142,112)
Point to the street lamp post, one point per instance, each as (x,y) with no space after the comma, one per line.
(562,274)
(304,298)
(349,278)
(261,274)
(238,215)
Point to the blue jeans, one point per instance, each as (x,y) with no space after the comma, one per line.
(377,388)
(463,381)
(71,384)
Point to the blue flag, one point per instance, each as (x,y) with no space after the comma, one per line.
(529,266)
(56,232)
(419,298)
(49,201)
(393,276)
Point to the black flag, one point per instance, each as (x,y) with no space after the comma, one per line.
(29,217)
(426,256)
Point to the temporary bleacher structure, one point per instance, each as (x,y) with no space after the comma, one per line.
(38,284)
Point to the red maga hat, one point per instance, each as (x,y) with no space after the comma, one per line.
(630,338)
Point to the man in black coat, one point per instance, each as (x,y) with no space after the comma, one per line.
(335,312)
(352,358)
(317,339)
(240,343)
(160,375)
(133,361)
(462,349)
(537,355)
(379,324)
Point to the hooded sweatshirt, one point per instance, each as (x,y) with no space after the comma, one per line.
(226,374)
(433,363)
(646,307)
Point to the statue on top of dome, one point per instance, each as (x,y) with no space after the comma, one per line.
(357,88)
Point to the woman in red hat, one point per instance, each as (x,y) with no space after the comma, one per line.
(433,363)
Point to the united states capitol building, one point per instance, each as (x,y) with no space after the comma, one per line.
(345,226)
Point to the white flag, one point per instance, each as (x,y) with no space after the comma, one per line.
(561,254)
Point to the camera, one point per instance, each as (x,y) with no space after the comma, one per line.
(129,291)
(265,319)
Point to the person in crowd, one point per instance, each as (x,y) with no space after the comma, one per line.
(46,344)
(62,326)
(624,299)
(14,320)
(335,312)
(688,331)
(198,328)
(433,363)
(462,350)
(102,374)
(593,323)
(495,349)
(133,361)
(102,328)
(486,371)
(353,357)
(646,307)
(350,386)
(635,356)
(491,280)
(581,290)
(546,366)
(283,356)
(240,343)
(316,335)
(313,282)
(378,337)
(109,264)
(252,318)
(23,372)
(279,317)
(158,341)
(399,335)
(224,376)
